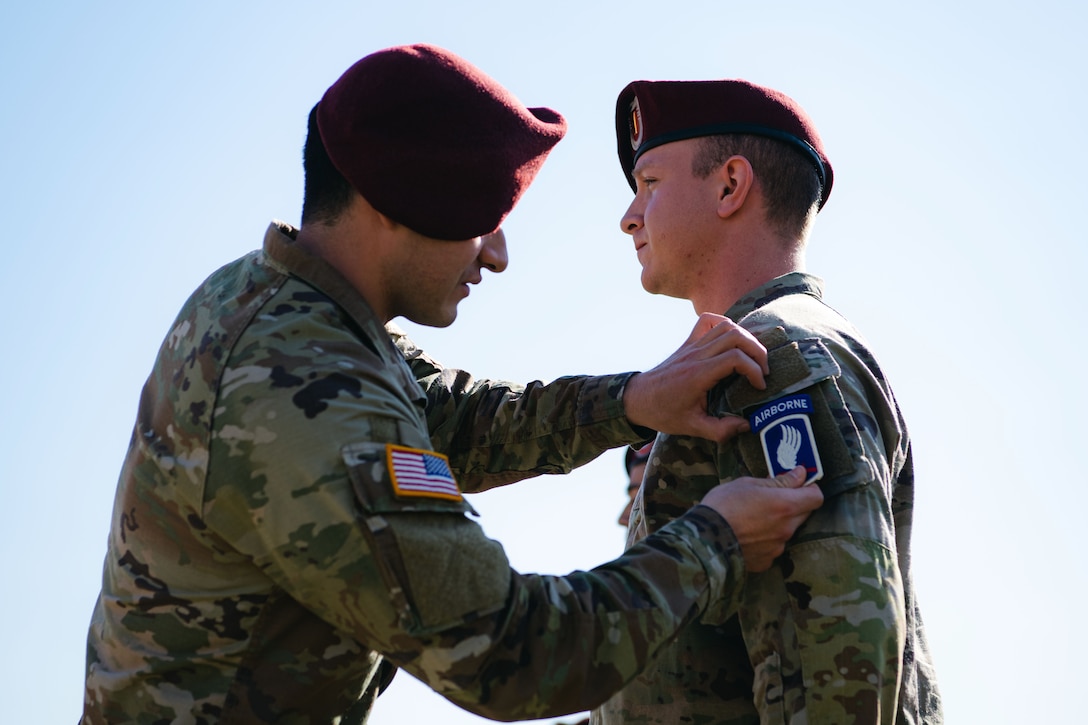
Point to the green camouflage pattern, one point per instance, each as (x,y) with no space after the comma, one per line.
(262,568)
(832,632)
(484,426)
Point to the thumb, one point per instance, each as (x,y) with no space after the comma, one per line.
(791,479)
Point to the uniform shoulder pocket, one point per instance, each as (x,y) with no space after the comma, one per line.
(801,417)
(440,570)
(795,365)
(390,478)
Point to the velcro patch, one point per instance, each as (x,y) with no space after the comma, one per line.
(416,472)
(785,431)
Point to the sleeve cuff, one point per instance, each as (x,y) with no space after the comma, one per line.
(716,546)
(601,401)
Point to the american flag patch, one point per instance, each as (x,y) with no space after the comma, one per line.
(417,472)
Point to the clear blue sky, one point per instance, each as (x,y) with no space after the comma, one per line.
(143,145)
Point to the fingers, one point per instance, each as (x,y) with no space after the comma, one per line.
(800,504)
(715,330)
(706,322)
(789,479)
(753,370)
(728,336)
(730,349)
(756,562)
(811,499)
(720,429)
(764,513)
(671,397)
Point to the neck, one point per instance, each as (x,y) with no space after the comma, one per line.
(344,244)
(755,264)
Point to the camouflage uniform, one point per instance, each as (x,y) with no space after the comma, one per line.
(268,561)
(831,633)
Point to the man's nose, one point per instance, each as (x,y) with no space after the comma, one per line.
(631,221)
(493,252)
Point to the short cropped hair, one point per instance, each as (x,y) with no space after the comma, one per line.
(326,193)
(790,184)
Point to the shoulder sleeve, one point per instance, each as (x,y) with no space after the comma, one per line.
(300,387)
(805,384)
(824,627)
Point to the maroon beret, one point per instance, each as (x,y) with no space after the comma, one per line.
(432,142)
(651,113)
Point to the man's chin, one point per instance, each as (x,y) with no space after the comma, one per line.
(443,318)
(657,289)
(649,284)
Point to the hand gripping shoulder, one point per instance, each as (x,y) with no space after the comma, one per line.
(803,375)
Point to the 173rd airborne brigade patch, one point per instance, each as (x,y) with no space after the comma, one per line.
(784,428)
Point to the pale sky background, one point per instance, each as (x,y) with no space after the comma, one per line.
(143,145)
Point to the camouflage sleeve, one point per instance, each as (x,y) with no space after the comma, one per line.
(565,644)
(825,627)
(496,432)
(825,630)
(303,483)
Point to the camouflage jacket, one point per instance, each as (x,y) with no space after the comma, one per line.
(286,530)
(832,632)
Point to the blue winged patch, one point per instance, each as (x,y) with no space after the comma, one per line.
(784,428)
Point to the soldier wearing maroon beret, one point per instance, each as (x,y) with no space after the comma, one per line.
(728,179)
(289,526)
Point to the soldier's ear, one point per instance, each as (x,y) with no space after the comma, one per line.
(735,179)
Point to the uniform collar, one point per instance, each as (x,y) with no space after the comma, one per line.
(794,283)
(280,250)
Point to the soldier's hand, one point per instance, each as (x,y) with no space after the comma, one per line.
(764,512)
(671,398)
